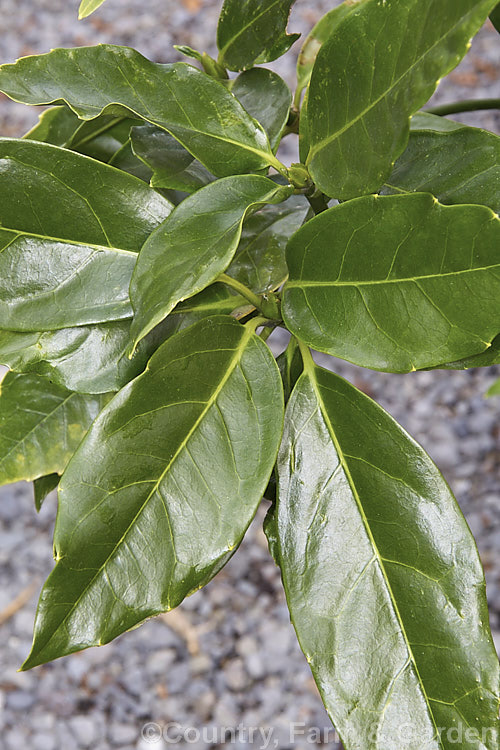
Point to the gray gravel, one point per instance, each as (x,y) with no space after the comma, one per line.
(227,657)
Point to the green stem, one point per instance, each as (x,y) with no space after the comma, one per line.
(318,203)
(306,355)
(245,292)
(254,323)
(467,105)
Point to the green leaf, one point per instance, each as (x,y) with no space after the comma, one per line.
(197,110)
(187,252)
(87,7)
(486,359)
(253,30)
(160,493)
(380,65)
(382,577)
(495,17)
(267,98)
(93,359)
(494,390)
(172,165)
(127,161)
(458,165)
(315,39)
(68,224)
(56,125)
(396,283)
(41,426)
(259,262)
(43,487)
(217,299)
(87,359)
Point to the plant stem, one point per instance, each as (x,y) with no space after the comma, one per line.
(467,105)
(245,292)
(318,203)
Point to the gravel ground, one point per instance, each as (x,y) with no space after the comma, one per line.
(227,657)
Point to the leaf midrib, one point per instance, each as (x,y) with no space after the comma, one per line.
(337,283)
(77,243)
(314,149)
(246,335)
(310,370)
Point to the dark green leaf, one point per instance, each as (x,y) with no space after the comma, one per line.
(271,532)
(161,491)
(251,30)
(41,426)
(382,577)
(87,7)
(56,125)
(495,18)
(260,262)
(457,165)
(380,65)
(314,40)
(87,359)
(127,161)
(267,98)
(217,299)
(187,253)
(93,359)
(194,108)
(70,230)
(99,138)
(396,283)
(43,487)
(486,359)
(172,165)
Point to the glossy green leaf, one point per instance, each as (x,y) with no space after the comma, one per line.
(267,98)
(260,262)
(197,110)
(41,426)
(99,138)
(253,30)
(315,39)
(457,165)
(87,7)
(495,18)
(127,161)
(93,359)
(382,577)
(42,487)
(486,359)
(70,230)
(217,299)
(380,65)
(161,491)
(87,359)
(396,283)
(187,252)
(56,125)
(172,166)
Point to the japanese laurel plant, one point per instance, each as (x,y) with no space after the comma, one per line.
(151,239)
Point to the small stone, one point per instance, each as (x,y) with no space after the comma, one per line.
(120,734)
(20,700)
(84,730)
(43,741)
(235,674)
